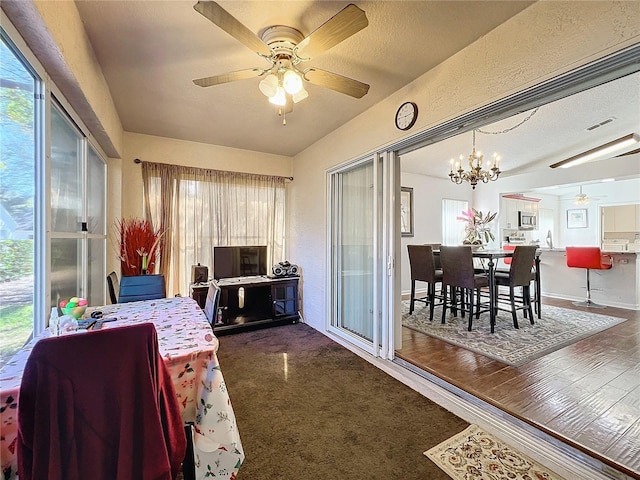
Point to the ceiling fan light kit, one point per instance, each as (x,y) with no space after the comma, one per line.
(286,47)
(581,198)
(600,152)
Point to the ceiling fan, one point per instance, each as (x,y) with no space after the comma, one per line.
(286,48)
(583,199)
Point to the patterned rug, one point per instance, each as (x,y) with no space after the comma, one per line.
(557,328)
(476,454)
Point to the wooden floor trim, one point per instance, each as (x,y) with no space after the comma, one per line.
(555,455)
(585,395)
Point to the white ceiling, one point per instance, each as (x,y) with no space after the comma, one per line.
(150,51)
(557,131)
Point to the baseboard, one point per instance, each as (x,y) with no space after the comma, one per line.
(420,292)
(608,302)
(545,449)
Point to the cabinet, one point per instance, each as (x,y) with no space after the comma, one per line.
(255,302)
(509,214)
(284,298)
(511,205)
(621,218)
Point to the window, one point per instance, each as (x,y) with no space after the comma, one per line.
(31,279)
(239,208)
(452,228)
(78,231)
(17,200)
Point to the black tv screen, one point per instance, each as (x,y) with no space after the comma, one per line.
(229,262)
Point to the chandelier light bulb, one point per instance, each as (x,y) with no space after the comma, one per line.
(269,85)
(291,82)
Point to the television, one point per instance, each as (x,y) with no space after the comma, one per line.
(237,261)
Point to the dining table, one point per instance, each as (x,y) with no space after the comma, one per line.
(491,256)
(189,349)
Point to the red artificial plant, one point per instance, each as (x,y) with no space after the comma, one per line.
(139,246)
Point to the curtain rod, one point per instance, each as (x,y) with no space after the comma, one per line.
(137,160)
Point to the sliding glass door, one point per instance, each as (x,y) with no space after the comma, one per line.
(356,253)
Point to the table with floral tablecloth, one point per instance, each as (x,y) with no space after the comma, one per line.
(189,348)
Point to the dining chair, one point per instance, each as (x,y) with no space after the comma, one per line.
(113,286)
(435,247)
(99,405)
(212,302)
(458,274)
(535,278)
(141,287)
(518,276)
(423,269)
(590,258)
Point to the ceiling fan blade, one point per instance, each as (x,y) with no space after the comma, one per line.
(341,26)
(223,19)
(336,82)
(228,77)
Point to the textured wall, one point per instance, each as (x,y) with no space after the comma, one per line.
(55,34)
(545,40)
(179,152)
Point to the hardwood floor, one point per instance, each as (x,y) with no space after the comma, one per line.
(586,394)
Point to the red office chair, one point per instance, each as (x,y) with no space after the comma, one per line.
(590,258)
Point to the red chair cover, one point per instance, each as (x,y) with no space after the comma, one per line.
(99,405)
(507,260)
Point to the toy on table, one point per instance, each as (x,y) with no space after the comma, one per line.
(75,306)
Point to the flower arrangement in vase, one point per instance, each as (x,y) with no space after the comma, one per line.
(139,246)
(476,229)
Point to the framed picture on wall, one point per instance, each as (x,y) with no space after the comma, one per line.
(577,218)
(406,211)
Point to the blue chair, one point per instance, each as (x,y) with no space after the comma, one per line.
(141,287)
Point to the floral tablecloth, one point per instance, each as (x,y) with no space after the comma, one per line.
(189,350)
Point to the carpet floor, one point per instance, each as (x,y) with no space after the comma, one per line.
(307,408)
(477,454)
(557,328)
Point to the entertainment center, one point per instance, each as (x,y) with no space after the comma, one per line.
(249,298)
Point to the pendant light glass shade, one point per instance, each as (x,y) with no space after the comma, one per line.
(269,85)
(301,95)
(280,97)
(291,82)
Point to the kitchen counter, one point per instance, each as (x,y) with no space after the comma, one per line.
(616,287)
(617,252)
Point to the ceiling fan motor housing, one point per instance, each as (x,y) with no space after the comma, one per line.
(282,40)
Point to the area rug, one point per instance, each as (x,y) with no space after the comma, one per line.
(557,328)
(474,453)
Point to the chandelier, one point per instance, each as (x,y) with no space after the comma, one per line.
(476,173)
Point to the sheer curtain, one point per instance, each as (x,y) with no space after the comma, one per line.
(201,208)
(453,229)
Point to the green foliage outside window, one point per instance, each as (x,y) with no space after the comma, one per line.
(17,259)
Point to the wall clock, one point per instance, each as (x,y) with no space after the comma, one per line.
(406,115)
